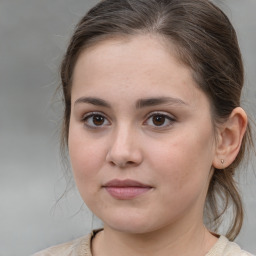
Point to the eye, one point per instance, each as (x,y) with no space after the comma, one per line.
(94,120)
(159,120)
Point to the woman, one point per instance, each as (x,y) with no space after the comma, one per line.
(154,127)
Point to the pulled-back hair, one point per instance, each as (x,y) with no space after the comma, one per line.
(206,42)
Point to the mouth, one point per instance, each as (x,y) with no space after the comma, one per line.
(126,189)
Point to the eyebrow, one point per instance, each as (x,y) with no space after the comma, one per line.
(159,101)
(93,101)
(141,103)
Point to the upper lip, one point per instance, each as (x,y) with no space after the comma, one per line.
(125,183)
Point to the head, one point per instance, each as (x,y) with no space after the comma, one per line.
(201,38)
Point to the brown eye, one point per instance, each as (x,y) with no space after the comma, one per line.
(158,120)
(98,120)
(95,120)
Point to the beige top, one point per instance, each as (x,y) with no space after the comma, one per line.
(82,247)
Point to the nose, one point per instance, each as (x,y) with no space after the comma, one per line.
(124,150)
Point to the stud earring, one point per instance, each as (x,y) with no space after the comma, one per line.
(222,161)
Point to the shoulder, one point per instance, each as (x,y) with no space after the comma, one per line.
(77,247)
(224,247)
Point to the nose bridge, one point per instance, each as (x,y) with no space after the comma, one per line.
(122,144)
(123,136)
(124,147)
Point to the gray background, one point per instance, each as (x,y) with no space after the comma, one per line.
(33,36)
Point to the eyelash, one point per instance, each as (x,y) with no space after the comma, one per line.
(88,122)
(167,118)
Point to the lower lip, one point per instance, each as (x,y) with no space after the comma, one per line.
(126,193)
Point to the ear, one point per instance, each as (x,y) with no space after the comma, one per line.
(230,135)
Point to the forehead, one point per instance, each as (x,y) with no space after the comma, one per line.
(144,63)
(132,52)
(146,47)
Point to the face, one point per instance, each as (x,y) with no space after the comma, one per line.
(141,139)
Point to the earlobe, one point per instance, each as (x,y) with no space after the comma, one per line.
(230,135)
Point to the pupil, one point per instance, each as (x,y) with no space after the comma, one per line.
(98,120)
(158,120)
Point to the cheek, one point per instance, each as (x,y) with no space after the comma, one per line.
(86,158)
(184,161)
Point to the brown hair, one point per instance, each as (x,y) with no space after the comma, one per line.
(205,41)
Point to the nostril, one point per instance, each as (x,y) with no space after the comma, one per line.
(112,163)
(122,164)
(130,163)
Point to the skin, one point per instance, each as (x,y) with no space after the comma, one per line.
(175,159)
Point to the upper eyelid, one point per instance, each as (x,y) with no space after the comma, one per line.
(160,113)
(91,113)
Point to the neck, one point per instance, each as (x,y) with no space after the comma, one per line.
(193,240)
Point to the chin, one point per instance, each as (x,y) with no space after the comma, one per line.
(130,229)
(129,223)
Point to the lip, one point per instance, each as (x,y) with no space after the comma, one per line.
(126,189)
